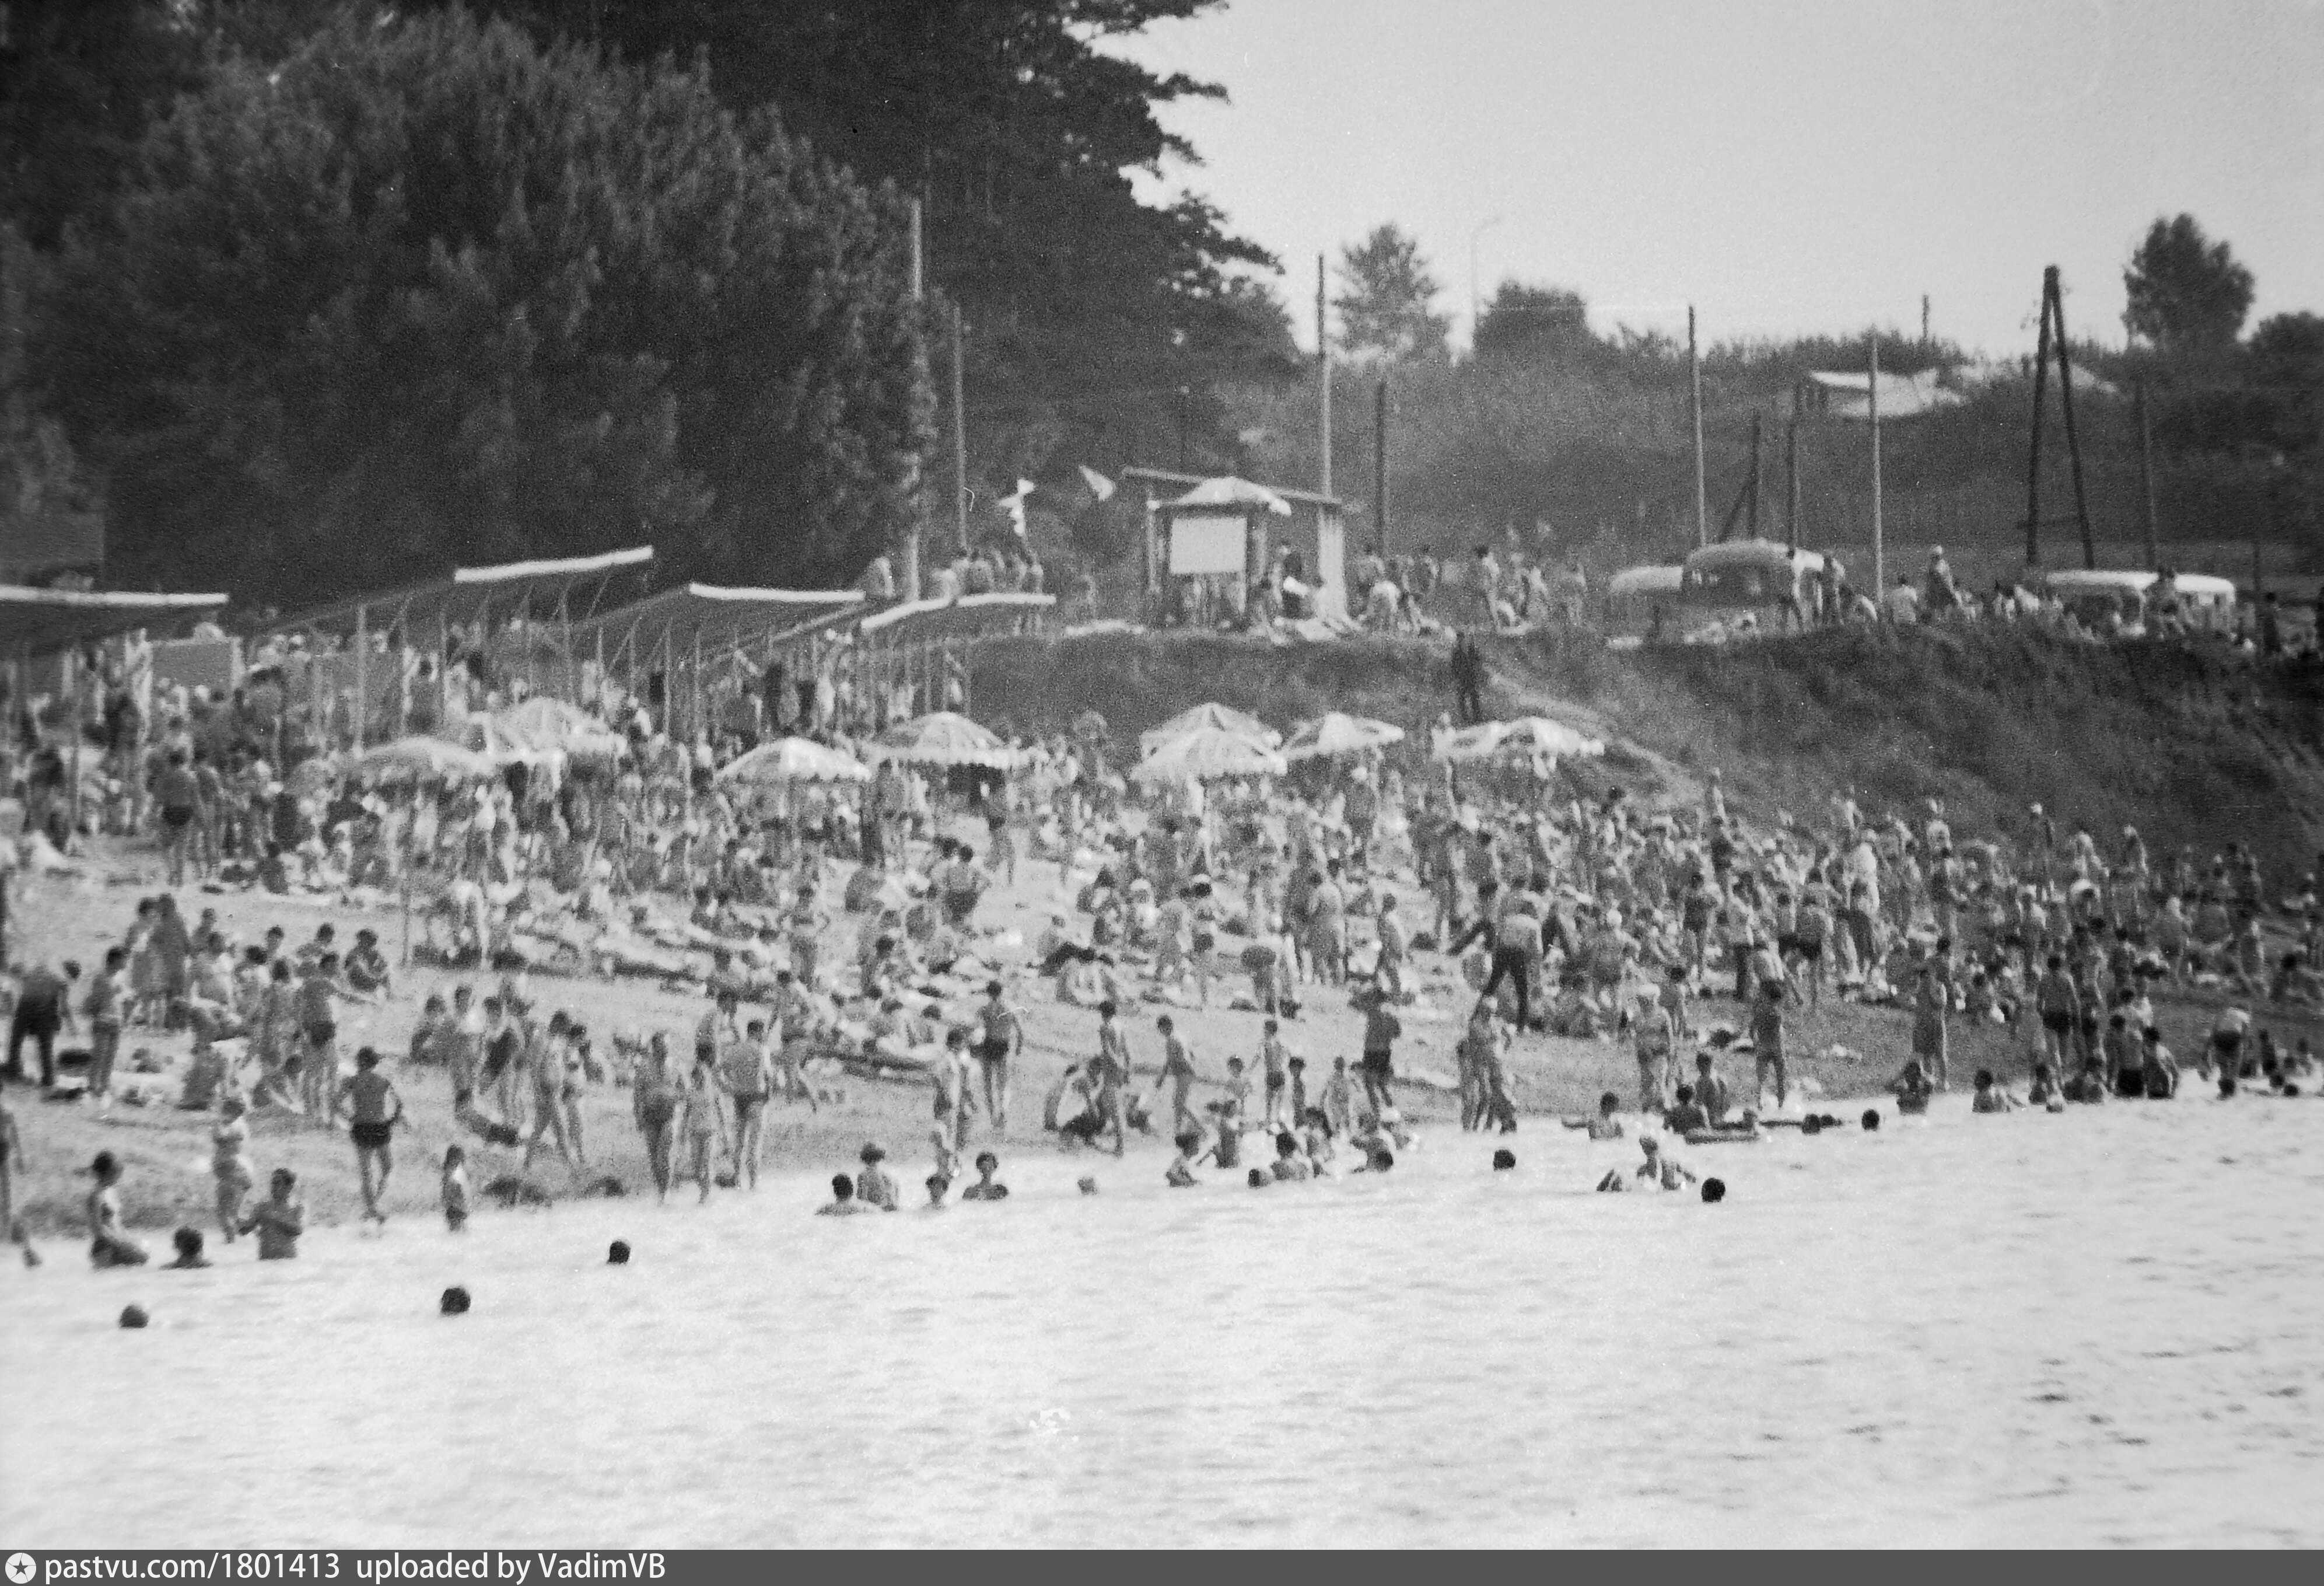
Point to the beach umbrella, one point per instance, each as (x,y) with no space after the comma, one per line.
(944,738)
(552,726)
(1212,716)
(312,776)
(1334,733)
(1207,752)
(793,759)
(422,759)
(1538,734)
(1480,742)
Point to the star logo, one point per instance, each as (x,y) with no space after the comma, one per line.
(19,1568)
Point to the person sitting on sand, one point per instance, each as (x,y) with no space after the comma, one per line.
(1289,1167)
(1912,1086)
(2090,1086)
(279,1219)
(109,1246)
(986,1188)
(1181,1173)
(1990,1097)
(2159,1073)
(2044,1091)
(843,1201)
(1603,1125)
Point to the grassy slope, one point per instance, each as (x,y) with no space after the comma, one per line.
(2192,746)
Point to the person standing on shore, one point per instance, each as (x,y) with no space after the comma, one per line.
(1178,1074)
(654,1098)
(43,1011)
(1110,1073)
(1003,1039)
(373,1109)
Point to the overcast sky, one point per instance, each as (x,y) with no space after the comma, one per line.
(1785,165)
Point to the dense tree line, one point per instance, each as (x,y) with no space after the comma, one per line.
(342,291)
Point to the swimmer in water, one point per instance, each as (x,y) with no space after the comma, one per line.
(986,1187)
(843,1201)
(279,1219)
(1661,1168)
(1604,1126)
(188,1242)
(873,1187)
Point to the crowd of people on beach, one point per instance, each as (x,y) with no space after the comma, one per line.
(1362,880)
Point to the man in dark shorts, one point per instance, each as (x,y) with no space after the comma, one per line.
(1378,1066)
(177,796)
(373,1109)
(1000,1037)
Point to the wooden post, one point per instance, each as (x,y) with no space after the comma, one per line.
(1924,322)
(363,663)
(959,434)
(2066,398)
(69,668)
(1324,385)
(2034,453)
(1379,470)
(2146,476)
(1754,475)
(1694,403)
(1791,479)
(1872,393)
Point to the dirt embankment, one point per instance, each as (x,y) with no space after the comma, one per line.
(2196,746)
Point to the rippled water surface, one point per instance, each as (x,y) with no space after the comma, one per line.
(2100,1327)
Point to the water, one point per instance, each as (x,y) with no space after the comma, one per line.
(2095,1329)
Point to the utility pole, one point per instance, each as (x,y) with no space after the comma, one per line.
(1924,322)
(1694,399)
(2066,397)
(2146,476)
(1380,465)
(908,576)
(1322,382)
(1756,491)
(959,433)
(1872,392)
(2034,453)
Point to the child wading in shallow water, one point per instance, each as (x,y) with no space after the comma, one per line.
(455,1187)
(109,1246)
(231,1167)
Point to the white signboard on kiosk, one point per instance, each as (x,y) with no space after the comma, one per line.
(1207,543)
